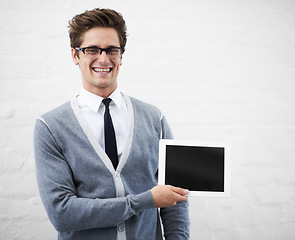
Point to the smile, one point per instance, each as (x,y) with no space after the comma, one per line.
(99,69)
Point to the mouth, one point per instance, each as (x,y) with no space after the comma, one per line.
(102,70)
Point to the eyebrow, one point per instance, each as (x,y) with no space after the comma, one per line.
(110,46)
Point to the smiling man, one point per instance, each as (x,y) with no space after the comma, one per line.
(97,155)
(101,60)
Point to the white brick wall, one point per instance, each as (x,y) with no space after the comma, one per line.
(220,70)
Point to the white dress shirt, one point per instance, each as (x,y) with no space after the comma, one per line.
(93,110)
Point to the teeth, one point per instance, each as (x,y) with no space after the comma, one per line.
(101,69)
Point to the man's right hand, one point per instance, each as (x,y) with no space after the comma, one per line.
(167,196)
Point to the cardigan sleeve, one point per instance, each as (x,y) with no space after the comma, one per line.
(175,219)
(65,209)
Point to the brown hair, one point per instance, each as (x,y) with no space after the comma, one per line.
(96,18)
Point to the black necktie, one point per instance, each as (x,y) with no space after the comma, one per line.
(109,134)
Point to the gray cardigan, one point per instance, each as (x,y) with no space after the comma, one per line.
(85,197)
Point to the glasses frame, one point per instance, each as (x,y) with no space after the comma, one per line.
(101,50)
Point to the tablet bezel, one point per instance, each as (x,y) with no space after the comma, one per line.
(162,165)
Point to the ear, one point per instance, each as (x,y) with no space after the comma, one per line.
(75,56)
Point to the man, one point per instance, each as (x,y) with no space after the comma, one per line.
(97,155)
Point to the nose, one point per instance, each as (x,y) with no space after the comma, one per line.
(103,57)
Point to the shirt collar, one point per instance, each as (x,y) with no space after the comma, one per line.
(116,97)
(94,101)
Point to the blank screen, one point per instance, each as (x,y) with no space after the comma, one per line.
(195,168)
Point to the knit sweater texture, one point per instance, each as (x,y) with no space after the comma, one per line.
(85,197)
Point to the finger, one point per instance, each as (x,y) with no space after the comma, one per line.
(180,194)
(180,198)
(180,191)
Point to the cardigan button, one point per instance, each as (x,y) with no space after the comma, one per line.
(121,228)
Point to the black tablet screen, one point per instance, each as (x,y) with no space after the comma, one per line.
(195,168)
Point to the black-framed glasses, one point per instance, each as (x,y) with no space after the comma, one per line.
(95,52)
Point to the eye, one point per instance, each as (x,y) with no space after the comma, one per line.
(91,51)
(113,51)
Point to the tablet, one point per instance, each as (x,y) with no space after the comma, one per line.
(202,168)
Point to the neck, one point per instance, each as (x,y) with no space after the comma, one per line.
(102,92)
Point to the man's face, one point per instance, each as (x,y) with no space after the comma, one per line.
(99,75)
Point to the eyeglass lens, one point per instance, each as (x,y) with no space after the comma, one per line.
(96,52)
